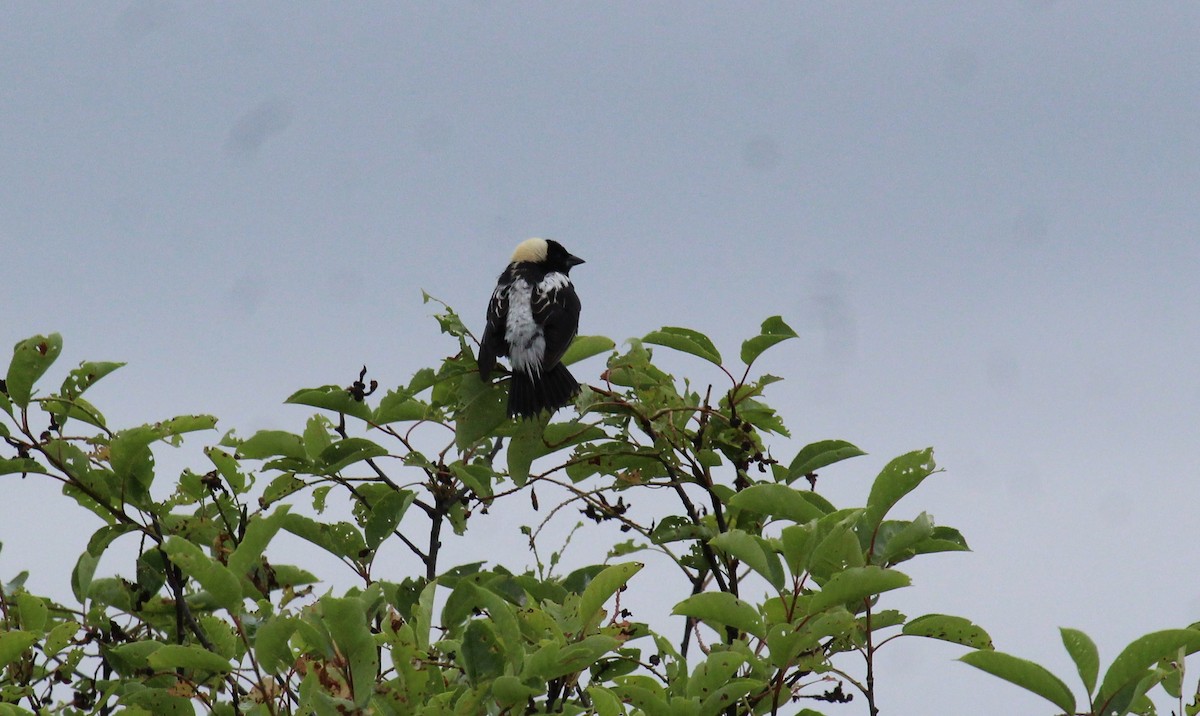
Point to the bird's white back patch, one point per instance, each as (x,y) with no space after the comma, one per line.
(526,341)
(552,282)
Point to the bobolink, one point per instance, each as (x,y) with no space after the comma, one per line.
(531,319)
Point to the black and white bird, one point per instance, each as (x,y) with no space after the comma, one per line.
(531,319)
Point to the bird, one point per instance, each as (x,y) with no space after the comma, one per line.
(532,318)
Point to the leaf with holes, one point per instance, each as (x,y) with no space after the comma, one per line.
(898,478)
(31,358)
(945,627)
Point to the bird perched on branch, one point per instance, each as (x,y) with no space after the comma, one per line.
(531,319)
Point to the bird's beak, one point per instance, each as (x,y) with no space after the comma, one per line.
(575,260)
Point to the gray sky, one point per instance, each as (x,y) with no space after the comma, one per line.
(983,219)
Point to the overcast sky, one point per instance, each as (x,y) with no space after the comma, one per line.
(983,219)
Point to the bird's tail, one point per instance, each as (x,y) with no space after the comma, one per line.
(528,396)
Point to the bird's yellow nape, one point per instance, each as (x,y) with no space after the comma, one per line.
(530,250)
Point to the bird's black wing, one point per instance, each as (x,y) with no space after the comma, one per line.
(493,344)
(557,311)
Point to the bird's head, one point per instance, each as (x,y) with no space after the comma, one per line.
(547,252)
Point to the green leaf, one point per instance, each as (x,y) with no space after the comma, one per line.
(855,584)
(77,408)
(604,701)
(1026,674)
(347,623)
(159,702)
(531,441)
(477,476)
(835,546)
(59,637)
(84,377)
(188,656)
(761,416)
(1131,664)
(821,454)
(773,331)
(448,320)
(483,409)
(331,397)
(729,693)
(713,673)
(340,539)
(81,576)
(130,456)
(271,644)
(601,588)
(68,403)
(217,579)
(344,453)
(279,488)
(778,501)
(33,612)
(272,443)
(481,654)
(1084,653)
(754,552)
(503,619)
(422,380)
(798,543)
(722,608)
(112,592)
(509,691)
(129,658)
(898,478)
(685,340)
(151,571)
(526,446)
(9,466)
(227,467)
(31,358)
(555,659)
(386,513)
(584,347)
(399,405)
(945,627)
(895,541)
(259,533)
(13,643)
(317,436)
(644,694)
(85,567)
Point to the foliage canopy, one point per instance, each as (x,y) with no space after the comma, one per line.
(782,595)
